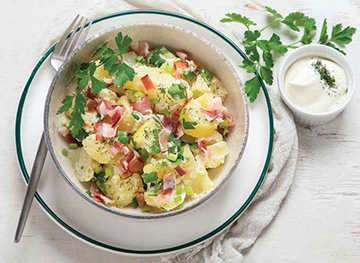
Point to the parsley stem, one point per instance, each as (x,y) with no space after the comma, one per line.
(269,25)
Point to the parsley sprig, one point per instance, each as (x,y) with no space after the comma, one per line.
(112,60)
(263,64)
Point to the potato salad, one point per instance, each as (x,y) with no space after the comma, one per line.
(144,126)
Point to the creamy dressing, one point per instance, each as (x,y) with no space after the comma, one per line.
(315,84)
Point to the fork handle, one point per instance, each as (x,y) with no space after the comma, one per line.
(31,189)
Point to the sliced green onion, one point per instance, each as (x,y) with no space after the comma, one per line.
(188,190)
(196,93)
(149,177)
(177,199)
(225,123)
(122,137)
(169,68)
(208,76)
(88,192)
(172,157)
(157,186)
(109,171)
(73,146)
(188,125)
(98,169)
(138,94)
(140,59)
(137,116)
(180,206)
(145,210)
(189,75)
(178,190)
(135,202)
(152,194)
(201,175)
(181,117)
(154,101)
(226,131)
(64,152)
(166,113)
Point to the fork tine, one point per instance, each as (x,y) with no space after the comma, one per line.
(83,37)
(76,38)
(71,38)
(60,45)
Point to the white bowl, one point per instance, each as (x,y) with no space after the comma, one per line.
(305,117)
(174,38)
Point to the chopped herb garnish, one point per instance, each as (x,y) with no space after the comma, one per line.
(149,177)
(122,137)
(189,75)
(178,190)
(154,101)
(207,75)
(145,210)
(64,152)
(135,203)
(188,190)
(140,59)
(177,91)
(166,113)
(73,146)
(188,125)
(138,94)
(177,199)
(325,74)
(137,116)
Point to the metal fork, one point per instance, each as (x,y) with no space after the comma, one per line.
(64,47)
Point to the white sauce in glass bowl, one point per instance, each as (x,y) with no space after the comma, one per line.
(315,84)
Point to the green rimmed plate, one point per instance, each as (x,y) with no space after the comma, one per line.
(130,235)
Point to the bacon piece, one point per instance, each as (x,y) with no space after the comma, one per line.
(117,147)
(168,184)
(98,196)
(180,170)
(147,82)
(89,94)
(202,146)
(179,68)
(115,114)
(209,115)
(143,105)
(135,165)
(103,108)
(182,54)
(228,116)
(91,105)
(163,139)
(143,48)
(140,199)
(169,123)
(104,130)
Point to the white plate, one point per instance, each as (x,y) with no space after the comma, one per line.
(134,236)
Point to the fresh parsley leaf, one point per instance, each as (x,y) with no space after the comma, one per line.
(251,35)
(109,58)
(263,44)
(323,35)
(82,134)
(233,17)
(309,28)
(273,12)
(66,104)
(329,44)
(140,59)
(252,88)
(100,50)
(248,65)
(177,91)
(266,74)
(275,44)
(291,19)
(76,123)
(253,53)
(268,59)
(123,42)
(124,73)
(342,36)
(96,85)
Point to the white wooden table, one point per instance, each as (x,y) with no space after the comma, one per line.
(318,222)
